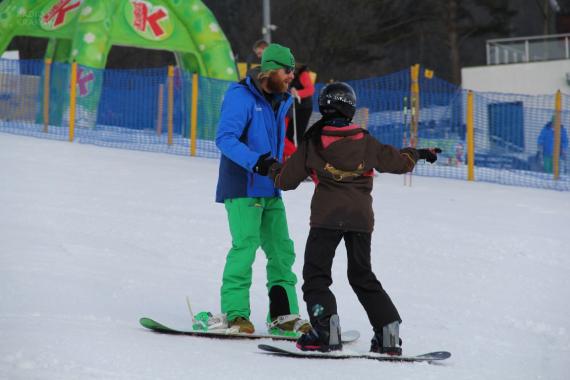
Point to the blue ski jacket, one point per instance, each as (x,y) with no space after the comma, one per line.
(546,140)
(248,127)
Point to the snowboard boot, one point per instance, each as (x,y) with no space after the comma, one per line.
(242,325)
(289,325)
(325,336)
(388,340)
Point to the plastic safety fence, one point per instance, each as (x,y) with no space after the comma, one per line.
(515,140)
(210,96)
(172,111)
(440,118)
(133,109)
(23,107)
(441,123)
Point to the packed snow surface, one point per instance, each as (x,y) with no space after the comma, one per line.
(93,238)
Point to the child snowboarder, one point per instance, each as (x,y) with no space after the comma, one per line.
(341,157)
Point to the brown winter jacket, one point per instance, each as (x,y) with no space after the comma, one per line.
(342,162)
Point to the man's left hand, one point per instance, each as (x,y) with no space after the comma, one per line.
(263,164)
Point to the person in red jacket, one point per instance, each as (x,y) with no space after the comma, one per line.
(342,156)
(302,89)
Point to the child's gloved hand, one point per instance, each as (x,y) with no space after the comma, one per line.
(274,170)
(430,154)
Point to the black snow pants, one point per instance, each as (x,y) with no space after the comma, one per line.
(319,254)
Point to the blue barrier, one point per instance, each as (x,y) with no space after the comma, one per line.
(134,105)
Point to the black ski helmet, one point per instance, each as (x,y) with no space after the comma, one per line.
(339,98)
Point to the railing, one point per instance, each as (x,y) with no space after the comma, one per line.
(528,49)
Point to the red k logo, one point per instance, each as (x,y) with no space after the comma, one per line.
(83,79)
(56,15)
(151,22)
(144,17)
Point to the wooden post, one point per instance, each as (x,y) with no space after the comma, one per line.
(194,114)
(72,101)
(47,74)
(470,138)
(170,103)
(160,109)
(557,135)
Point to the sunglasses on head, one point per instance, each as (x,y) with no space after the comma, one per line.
(288,69)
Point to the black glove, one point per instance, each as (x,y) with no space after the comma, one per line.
(263,164)
(430,155)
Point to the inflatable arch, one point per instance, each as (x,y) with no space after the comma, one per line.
(84,31)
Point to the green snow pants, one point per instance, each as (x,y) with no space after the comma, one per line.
(256,222)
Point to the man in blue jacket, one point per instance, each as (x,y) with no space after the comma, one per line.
(545,143)
(250,136)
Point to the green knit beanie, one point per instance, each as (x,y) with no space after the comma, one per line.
(276,57)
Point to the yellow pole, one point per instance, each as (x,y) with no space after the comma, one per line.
(194,115)
(160,109)
(170,102)
(557,135)
(47,73)
(470,138)
(72,101)
(364,114)
(415,106)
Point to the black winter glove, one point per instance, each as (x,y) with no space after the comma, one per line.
(430,155)
(263,164)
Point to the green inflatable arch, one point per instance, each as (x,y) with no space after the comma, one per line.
(85,30)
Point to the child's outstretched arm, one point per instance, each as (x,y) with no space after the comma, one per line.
(392,160)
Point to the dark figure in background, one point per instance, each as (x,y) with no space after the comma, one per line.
(302,89)
(258,48)
(256,53)
(545,143)
(343,157)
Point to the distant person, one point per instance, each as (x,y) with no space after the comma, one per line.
(250,136)
(257,51)
(343,157)
(545,144)
(302,89)
(258,48)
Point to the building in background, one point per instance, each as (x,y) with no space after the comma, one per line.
(534,65)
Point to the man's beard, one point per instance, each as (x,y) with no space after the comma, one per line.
(276,85)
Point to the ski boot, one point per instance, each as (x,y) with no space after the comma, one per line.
(323,337)
(388,340)
(289,325)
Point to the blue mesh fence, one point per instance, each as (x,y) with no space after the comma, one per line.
(211,94)
(130,109)
(507,145)
(442,124)
(21,99)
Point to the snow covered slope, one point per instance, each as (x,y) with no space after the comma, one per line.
(93,238)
